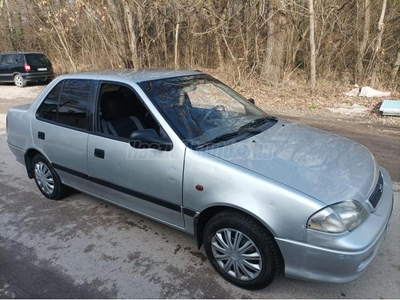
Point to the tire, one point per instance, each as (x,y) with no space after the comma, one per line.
(19,80)
(250,267)
(46,178)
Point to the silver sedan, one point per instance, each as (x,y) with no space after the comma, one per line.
(261,194)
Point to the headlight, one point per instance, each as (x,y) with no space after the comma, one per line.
(339,217)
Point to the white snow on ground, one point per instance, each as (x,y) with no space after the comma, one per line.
(350,110)
(366,91)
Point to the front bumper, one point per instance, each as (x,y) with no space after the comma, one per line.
(354,250)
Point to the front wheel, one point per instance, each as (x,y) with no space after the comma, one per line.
(46,178)
(241,250)
(19,80)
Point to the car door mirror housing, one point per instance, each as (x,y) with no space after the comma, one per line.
(149,139)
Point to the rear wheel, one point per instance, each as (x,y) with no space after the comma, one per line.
(19,80)
(241,250)
(46,178)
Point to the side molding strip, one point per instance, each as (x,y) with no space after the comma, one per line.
(124,190)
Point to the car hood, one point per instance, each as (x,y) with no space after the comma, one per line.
(322,165)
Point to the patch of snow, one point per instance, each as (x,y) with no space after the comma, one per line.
(353,93)
(350,110)
(367,91)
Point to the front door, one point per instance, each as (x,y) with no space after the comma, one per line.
(148,181)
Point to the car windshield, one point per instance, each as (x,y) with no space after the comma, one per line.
(202,110)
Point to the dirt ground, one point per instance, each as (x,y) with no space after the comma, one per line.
(11,95)
(381,134)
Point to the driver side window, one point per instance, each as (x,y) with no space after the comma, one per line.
(121,112)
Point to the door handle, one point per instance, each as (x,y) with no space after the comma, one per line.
(99,153)
(41,135)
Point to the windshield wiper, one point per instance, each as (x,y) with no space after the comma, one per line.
(220,138)
(228,136)
(257,122)
(247,128)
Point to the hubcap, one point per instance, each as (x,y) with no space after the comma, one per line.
(18,80)
(44,178)
(236,254)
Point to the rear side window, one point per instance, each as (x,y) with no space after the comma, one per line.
(37,60)
(67,103)
(12,59)
(74,102)
(48,108)
(19,59)
(7,59)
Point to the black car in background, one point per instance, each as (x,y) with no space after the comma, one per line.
(23,67)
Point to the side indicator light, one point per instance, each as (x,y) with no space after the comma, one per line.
(199,187)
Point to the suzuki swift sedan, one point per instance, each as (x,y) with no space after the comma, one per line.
(261,194)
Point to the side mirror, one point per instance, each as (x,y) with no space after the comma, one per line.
(149,139)
(251,100)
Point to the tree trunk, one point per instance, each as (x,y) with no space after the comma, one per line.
(364,41)
(176,54)
(165,44)
(131,35)
(378,46)
(312,45)
(272,66)
(395,70)
(10,27)
(122,45)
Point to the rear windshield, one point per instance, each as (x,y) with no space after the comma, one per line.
(38,60)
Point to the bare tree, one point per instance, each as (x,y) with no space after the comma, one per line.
(176,42)
(312,45)
(269,40)
(54,12)
(395,69)
(378,45)
(274,53)
(130,29)
(364,41)
(10,26)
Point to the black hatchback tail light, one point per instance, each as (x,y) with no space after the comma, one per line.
(27,68)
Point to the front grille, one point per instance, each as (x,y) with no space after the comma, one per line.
(377,193)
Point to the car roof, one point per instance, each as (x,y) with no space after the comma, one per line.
(133,75)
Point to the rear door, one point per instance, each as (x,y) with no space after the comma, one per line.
(18,61)
(6,63)
(60,130)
